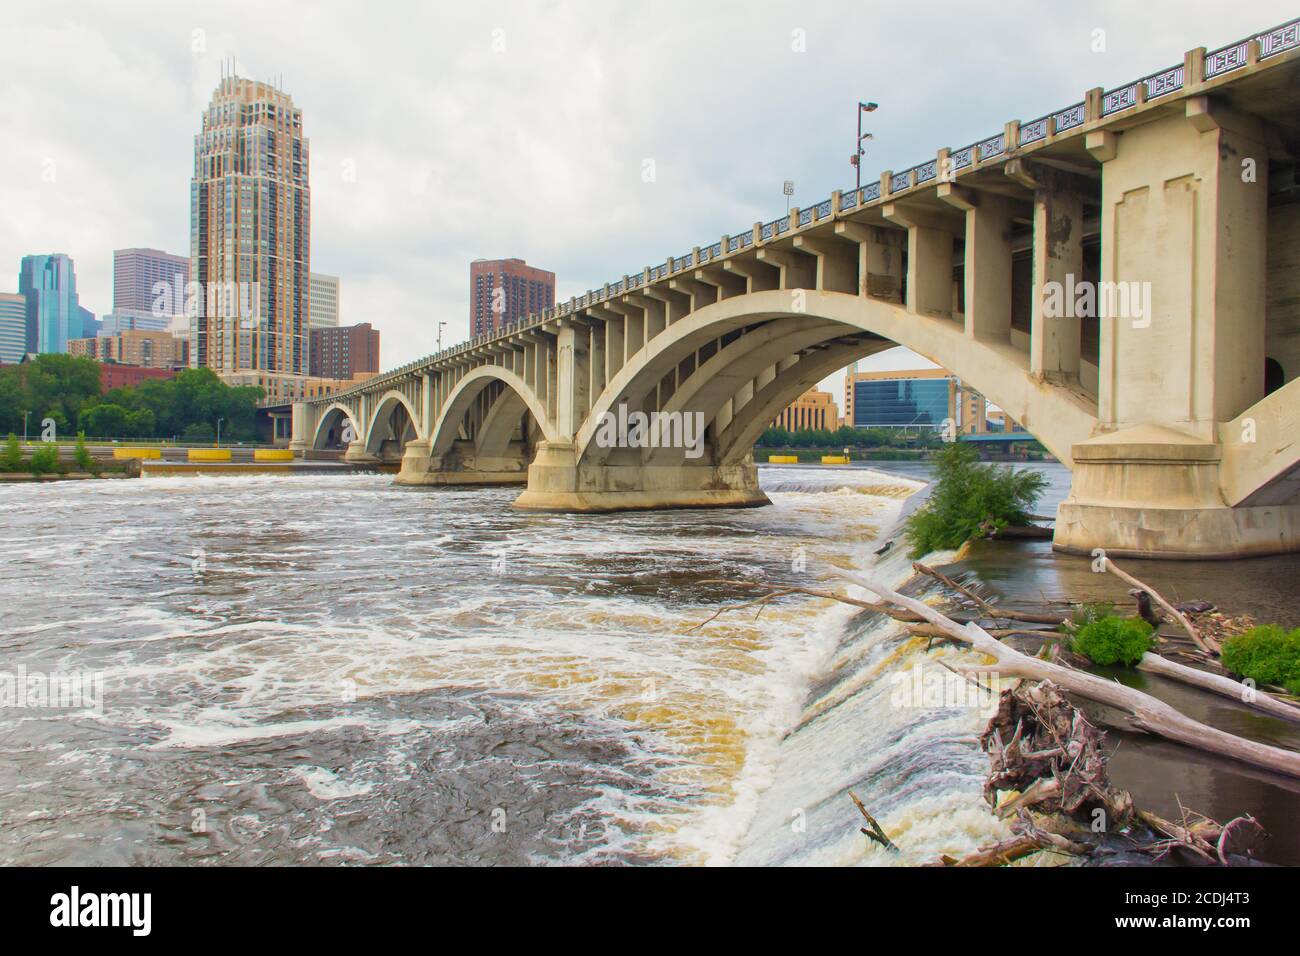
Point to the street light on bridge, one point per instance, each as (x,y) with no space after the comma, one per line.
(856,159)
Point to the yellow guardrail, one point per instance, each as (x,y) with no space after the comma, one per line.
(834,460)
(209,454)
(137,452)
(783,459)
(272,454)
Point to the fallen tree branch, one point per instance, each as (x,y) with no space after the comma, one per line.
(1215,684)
(992,612)
(875,833)
(1147,712)
(1177,615)
(880,607)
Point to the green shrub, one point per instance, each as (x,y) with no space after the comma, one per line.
(82,454)
(1113,640)
(13,460)
(44,460)
(1089,613)
(1267,654)
(966,496)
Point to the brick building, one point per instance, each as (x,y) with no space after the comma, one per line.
(503,291)
(344,352)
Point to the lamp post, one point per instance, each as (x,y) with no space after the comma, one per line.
(440,325)
(219,421)
(25,414)
(858,151)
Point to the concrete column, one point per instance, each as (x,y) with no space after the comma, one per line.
(1056,328)
(425,427)
(303,422)
(573,376)
(597,360)
(1184,249)
(987,261)
(880,259)
(615,333)
(929,258)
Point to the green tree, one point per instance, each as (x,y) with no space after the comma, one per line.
(968,496)
(140,423)
(198,432)
(106,421)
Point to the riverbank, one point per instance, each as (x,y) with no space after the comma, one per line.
(1162,776)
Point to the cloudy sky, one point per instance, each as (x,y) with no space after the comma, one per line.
(526,129)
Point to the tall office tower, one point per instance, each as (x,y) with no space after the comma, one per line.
(49,284)
(324,301)
(149,282)
(503,291)
(250,227)
(13,327)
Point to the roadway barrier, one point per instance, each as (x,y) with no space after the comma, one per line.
(783,459)
(272,454)
(209,454)
(137,452)
(834,460)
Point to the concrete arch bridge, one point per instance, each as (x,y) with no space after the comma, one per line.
(1122,276)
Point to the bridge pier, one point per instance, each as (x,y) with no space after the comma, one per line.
(1153,492)
(557,483)
(461,466)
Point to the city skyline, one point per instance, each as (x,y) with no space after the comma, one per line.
(393,199)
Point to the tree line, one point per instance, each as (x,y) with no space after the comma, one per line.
(66,389)
(847,436)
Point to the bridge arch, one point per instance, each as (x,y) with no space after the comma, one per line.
(394,419)
(330,426)
(844,327)
(498,423)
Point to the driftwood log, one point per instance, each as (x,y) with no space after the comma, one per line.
(1145,712)
(1177,615)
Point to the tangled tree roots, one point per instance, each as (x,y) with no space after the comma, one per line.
(1046,752)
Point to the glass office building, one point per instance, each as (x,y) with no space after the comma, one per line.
(902,402)
(54,315)
(13,327)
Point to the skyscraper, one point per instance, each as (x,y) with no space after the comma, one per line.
(324,301)
(503,291)
(49,284)
(13,327)
(250,226)
(139,276)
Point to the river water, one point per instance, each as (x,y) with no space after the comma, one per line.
(331,669)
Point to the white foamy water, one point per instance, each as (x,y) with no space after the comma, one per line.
(332,669)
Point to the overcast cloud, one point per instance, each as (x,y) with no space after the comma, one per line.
(523,129)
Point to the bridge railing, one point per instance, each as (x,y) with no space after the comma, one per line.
(1214,63)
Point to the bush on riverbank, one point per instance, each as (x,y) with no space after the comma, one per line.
(81,454)
(44,460)
(969,498)
(1267,654)
(13,460)
(1111,639)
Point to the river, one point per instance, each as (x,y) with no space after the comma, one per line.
(332,669)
